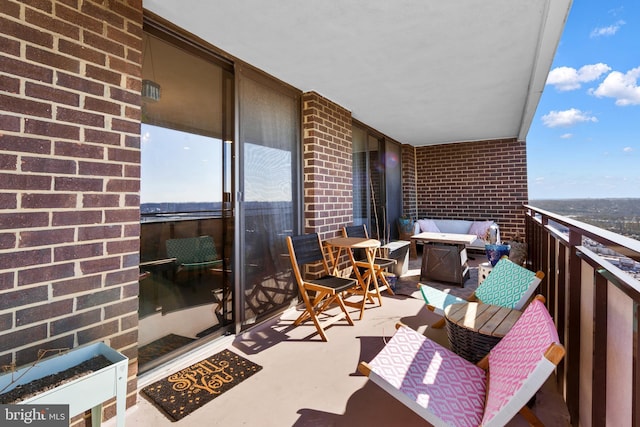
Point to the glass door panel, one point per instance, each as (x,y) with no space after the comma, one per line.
(269,139)
(360,178)
(377,193)
(368,183)
(186,205)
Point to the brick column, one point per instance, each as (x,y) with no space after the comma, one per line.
(409,184)
(327,167)
(69,177)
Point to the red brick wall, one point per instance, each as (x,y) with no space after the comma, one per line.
(474,180)
(69,176)
(409,196)
(327,166)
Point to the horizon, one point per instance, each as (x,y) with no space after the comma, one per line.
(529,200)
(588,198)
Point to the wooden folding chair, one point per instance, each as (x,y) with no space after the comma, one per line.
(447,390)
(380,264)
(509,285)
(319,293)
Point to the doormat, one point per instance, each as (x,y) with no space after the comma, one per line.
(161,346)
(185,391)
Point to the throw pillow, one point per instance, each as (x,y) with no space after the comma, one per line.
(479,228)
(427,225)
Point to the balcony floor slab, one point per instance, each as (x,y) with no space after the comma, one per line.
(307,382)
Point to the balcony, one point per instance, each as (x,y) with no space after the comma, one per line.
(592,301)
(70,273)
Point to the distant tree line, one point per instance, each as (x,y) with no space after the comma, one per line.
(620,216)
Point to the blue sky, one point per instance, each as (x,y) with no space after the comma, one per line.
(584,141)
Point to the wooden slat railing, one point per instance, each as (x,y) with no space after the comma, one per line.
(595,305)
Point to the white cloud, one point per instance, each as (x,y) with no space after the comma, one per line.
(568,78)
(623,87)
(566,136)
(606,31)
(566,118)
(627,149)
(616,11)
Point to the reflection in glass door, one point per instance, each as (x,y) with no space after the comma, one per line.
(368,184)
(186,236)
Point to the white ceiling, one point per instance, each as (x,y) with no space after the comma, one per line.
(420,71)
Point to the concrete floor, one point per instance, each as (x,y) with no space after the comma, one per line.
(307,382)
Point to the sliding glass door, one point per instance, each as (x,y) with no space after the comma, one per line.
(377,186)
(214,211)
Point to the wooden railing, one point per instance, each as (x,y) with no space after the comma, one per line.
(595,306)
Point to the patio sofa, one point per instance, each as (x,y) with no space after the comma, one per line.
(456,226)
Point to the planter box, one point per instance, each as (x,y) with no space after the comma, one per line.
(81,394)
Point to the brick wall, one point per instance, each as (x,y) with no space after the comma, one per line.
(327,166)
(474,180)
(69,177)
(409,195)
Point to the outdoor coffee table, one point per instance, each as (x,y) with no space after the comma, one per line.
(474,328)
(444,256)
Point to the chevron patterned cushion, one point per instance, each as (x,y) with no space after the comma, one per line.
(192,250)
(506,284)
(517,355)
(433,377)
